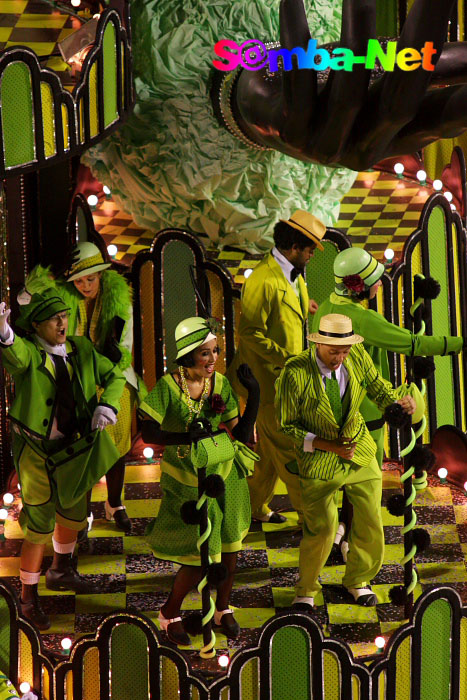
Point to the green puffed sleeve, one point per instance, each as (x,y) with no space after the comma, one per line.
(156,402)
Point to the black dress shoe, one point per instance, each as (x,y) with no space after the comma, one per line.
(33,612)
(173,627)
(68,579)
(119,516)
(228,624)
(271,517)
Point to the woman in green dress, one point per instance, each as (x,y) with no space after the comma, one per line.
(193,396)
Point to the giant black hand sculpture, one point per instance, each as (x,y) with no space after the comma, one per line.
(344,119)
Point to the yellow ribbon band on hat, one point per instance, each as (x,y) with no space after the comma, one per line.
(86,263)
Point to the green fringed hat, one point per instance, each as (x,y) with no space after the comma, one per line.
(41,307)
(191,333)
(90,260)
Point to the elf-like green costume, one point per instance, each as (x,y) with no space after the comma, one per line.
(32,413)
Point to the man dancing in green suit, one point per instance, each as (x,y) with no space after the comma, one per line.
(275,308)
(318,397)
(54,413)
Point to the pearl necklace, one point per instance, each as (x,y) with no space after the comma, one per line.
(192,412)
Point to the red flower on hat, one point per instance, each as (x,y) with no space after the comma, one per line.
(354,283)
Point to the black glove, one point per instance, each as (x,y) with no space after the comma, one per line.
(247,378)
(111,350)
(59,268)
(199,428)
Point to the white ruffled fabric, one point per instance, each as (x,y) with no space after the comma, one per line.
(171,164)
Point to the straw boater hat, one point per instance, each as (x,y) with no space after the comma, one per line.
(309,225)
(191,333)
(335,329)
(89,261)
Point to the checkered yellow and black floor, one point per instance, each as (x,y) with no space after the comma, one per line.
(128,577)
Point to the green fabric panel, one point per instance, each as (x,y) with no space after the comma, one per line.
(331,676)
(4,636)
(129,663)
(386,18)
(249,680)
(179,298)
(172,164)
(110,75)
(17,115)
(320,274)
(436,652)
(440,311)
(290,664)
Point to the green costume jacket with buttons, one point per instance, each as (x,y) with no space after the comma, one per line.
(381,335)
(271,325)
(34,373)
(303,407)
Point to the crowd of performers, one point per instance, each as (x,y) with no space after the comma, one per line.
(318,413)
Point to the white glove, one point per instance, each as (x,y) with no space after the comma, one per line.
(29,696)
(4,325)
(103,416)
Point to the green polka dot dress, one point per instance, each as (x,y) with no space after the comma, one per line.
(169,537)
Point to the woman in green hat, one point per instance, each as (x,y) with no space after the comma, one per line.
(196,393)
(100,302)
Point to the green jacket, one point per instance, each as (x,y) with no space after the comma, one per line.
(34,373)
(381,335)
(271,327)
(116,298)
(303,407)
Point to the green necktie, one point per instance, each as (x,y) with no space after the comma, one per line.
(334,396)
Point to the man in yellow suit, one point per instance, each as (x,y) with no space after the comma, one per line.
(275,308)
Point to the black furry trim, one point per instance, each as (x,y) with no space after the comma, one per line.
(421,539)
(423,367)
(421,457)
(190,514)
(396,416)
(214,486)
(396,505)
(398,595)
(427,288)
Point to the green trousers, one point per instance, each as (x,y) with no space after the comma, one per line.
(363,486)
(275,450)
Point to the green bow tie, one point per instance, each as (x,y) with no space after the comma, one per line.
(334,396)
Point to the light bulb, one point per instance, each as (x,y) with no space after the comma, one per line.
(148,452)
(465,487)
(380,642)
(448,196)
(76,3)
(3,514)
(442,473)
(247,273)
(112,250)
(106,190)
(421,175)
(25,687)
(66,643)
(8,499)
(92,200)
(223,660)
(389,253)
(453,206)
(399,168)
(437,185)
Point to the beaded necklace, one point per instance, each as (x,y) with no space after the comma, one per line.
(192,412)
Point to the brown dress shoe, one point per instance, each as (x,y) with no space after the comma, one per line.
(32,611)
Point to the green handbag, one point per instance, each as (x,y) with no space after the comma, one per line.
(212,450)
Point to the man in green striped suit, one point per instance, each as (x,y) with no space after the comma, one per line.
(318,396)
